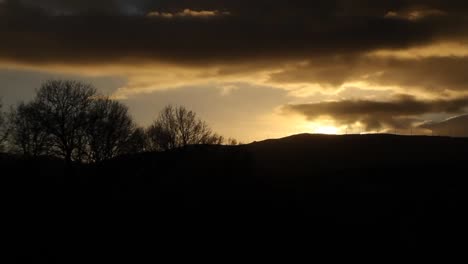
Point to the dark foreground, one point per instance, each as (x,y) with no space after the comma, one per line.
(339,194)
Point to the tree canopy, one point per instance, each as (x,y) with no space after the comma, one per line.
(178,127)
(71,120)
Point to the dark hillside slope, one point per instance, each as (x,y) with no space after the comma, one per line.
(372,191)
(281,172)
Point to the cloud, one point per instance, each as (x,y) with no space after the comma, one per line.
(296,44)
(432,74)
(101,32)
(312,50)
(188,13)
(403,112)
(415,14)
(455,127)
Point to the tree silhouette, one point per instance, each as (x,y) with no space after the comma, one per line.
(136,143)
(63,112)
(3,127)
(178,127)
(109,130)
(69,119)
(27,133)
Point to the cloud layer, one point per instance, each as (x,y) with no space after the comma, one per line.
(413,47)
(401,113)
(104,31)
(455,127)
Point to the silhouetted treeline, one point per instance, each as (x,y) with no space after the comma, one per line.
(3,128)
(71,120)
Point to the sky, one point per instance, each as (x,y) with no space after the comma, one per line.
(252,69)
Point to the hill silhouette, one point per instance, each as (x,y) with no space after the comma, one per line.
(284,172)
(355,191)
(300,160)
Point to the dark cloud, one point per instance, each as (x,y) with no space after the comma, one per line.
(94,32)
(75,6)
(455,127)
(327,42)
(432,74)
(400,113)
(326,70)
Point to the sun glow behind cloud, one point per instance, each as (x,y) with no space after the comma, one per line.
(328,130)
(327,127)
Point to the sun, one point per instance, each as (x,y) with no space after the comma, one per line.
(325,127)
(328,130)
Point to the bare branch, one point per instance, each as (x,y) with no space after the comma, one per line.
(178,127)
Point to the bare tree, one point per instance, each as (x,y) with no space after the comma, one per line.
(137,142)
(109,131)
(3,127)
(27,133)
(70,120)
(63,109)
(178,127)
(162,135)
